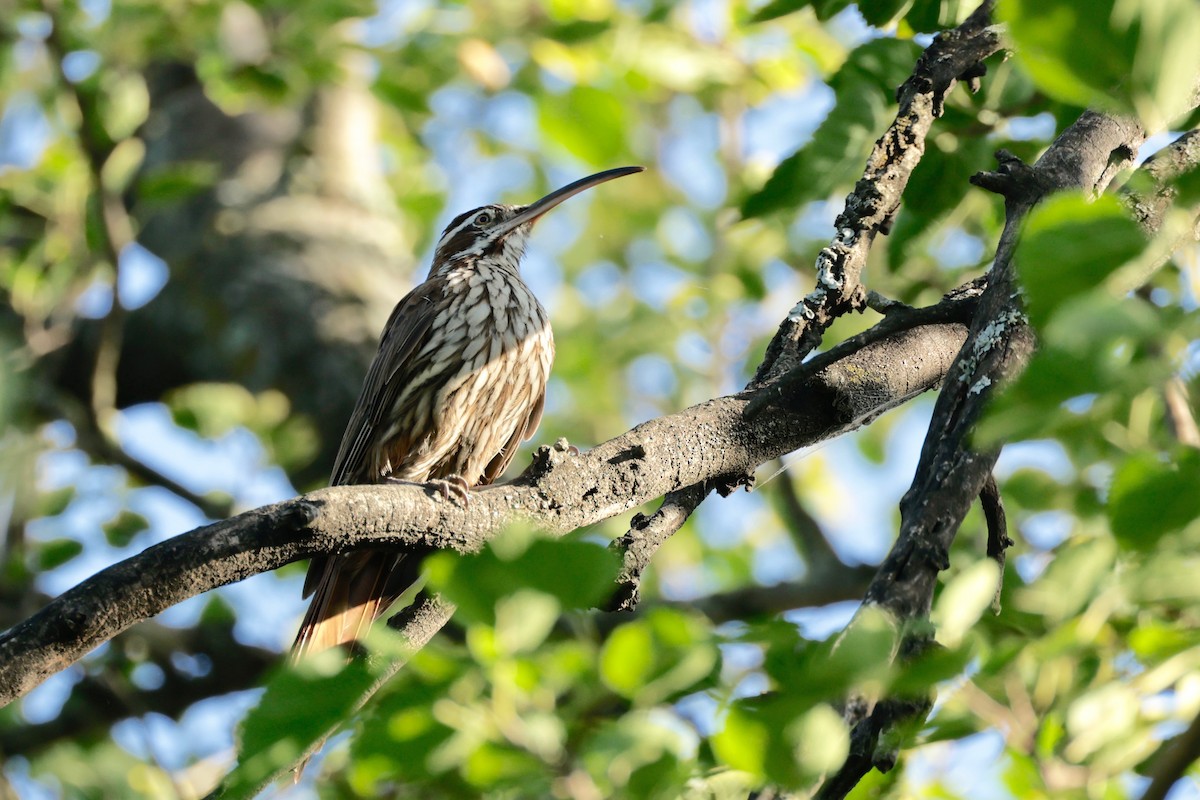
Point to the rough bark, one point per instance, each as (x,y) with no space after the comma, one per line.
(1086,156)
(559,492)
(870,208)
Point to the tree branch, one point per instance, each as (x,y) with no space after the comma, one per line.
(871,207)
(1149,207)
(997,349)
(1173,761)
(559,492)
(105,694)
(812,542)
(646,535)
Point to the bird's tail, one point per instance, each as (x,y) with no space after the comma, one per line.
(352,592)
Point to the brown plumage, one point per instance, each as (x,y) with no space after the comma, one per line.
(458,383)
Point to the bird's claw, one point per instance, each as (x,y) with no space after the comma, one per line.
(453,487)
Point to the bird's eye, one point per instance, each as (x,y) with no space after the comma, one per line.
(483,219)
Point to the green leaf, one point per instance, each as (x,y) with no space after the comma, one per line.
(661,655)
(880,12)
(1151,497)
(778,8)
(1071,580)
(120,531)
(1127,56)
(927,15)
(743,741)
(54,502)
(577,574)
(1154,643)
(57,552)
(175,181)
(628,659)
(1069,246)
(820,740)
(302,703)
(834,159)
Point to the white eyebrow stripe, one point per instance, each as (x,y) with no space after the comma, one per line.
(451,232)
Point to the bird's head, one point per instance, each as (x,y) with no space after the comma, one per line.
(499,232)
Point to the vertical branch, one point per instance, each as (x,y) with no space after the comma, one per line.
(872,205)
(998,347)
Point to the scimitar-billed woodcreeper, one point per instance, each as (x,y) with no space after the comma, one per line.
(458,383)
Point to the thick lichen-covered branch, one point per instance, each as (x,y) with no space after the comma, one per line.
(872,205)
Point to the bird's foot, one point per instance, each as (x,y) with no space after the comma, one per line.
(453,487)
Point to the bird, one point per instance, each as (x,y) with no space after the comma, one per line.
(457,384)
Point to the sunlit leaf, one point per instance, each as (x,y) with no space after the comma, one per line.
(120,531)
(657,656)
(1151,496)
(57,552)
(1070,245)
(578,574)
(301,704)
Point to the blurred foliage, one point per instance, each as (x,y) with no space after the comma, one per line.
(661,295)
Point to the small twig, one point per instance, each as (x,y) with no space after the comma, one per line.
(99,441)
(998,540)
(870,208)
(1173,761)
(884,305)
(957,306)
(1013,179)
(646,535)
(806,532)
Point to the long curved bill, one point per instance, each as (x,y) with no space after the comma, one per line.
(539,207)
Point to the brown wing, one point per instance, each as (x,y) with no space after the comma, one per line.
(406,332)
(497,465)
